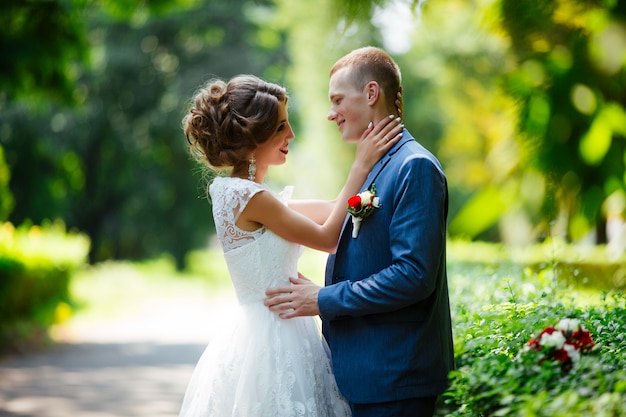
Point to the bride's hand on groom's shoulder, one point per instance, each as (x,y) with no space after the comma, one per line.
(298,299)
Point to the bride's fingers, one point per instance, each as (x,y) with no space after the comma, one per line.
(388,141)
(385,124)
(377,140)
(384,127)
(374,129)
(390,132)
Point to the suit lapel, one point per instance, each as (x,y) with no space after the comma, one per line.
(376,170)
(371,178)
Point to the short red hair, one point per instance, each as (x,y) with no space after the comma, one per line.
(372,64)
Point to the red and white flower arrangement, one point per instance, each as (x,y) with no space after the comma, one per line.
(362,205)
(563,342)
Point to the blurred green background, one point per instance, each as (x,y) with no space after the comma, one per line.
(522,101)
(103,211)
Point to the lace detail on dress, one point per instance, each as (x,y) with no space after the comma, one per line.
(261,365)
(230,196)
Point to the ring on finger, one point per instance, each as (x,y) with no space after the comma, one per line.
(386,138)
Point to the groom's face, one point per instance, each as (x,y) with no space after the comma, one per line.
(348,106)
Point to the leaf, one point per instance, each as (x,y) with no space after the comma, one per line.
(482,212)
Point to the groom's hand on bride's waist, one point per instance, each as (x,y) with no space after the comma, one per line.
(298,299)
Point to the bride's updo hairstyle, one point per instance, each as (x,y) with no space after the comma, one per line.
(227,121)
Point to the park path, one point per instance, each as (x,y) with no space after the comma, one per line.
(134,365)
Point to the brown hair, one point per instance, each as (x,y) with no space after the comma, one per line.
(372,64)
(227,121)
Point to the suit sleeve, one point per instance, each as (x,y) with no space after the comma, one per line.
(417,234)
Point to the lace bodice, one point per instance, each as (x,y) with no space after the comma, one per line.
(256,260)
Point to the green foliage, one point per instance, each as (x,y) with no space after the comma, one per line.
(355,10)
(41,42)
(6,197)
(36,264)
(45,48)
(116,166)
(494,379)
(522,101)
(455,106)
(496,312)
(569,87)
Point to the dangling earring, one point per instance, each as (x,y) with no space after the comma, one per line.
(252,169)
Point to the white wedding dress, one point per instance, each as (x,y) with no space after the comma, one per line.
(263,366)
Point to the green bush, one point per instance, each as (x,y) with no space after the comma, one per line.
(500,306)
(496,377)
(36,263)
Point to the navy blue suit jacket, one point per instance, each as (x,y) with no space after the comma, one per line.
(385,308)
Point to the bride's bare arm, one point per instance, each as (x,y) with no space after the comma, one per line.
(316,210)
(265,209)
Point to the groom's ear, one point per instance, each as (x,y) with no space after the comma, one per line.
(373,92)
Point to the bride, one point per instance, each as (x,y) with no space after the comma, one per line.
(265,366)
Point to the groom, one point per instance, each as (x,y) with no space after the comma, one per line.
(385,307)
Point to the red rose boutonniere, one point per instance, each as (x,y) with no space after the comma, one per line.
(362,205)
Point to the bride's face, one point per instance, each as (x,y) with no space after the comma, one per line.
(274,151)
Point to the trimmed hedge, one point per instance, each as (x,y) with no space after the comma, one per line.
(36,264)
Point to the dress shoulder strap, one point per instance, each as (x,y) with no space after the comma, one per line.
(229,197)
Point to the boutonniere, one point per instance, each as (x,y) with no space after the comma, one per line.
(362,205)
